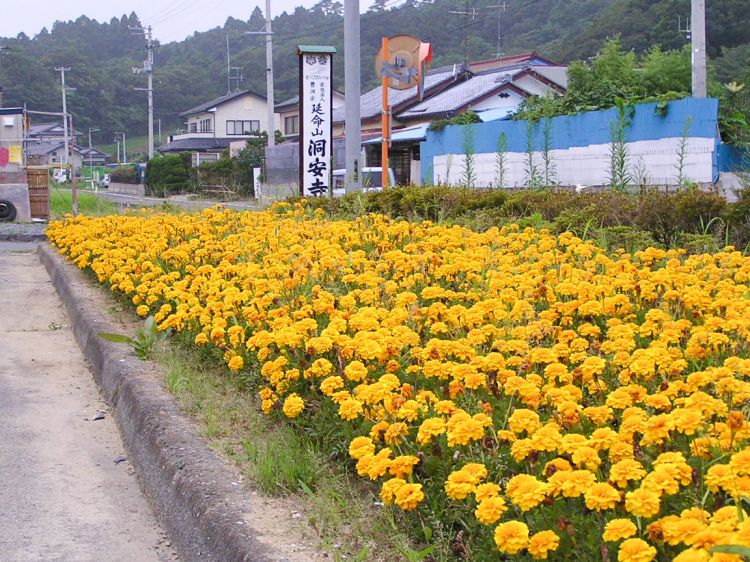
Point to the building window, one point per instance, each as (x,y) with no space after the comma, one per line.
(193,127)
(201,157)
(205,126)
(291,125)
(243,127)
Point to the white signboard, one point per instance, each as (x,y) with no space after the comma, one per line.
(315,123)
(256,182)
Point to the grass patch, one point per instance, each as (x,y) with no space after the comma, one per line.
(280,460)
(61,203)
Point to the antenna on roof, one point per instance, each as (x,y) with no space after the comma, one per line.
(501,8)
(466,13)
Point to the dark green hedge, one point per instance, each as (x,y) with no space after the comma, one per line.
(693,219)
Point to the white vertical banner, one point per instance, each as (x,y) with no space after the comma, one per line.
(256,182)
(316,123)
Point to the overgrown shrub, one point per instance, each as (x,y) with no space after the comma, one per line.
(124,174)
(166,175)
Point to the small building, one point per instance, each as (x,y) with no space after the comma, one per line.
(94,156)
(212,126)
(14,189)
(52,153)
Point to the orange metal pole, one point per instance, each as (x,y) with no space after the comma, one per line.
(386,121)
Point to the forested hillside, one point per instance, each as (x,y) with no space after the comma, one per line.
(102,55)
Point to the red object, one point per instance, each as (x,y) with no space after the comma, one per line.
(4,156)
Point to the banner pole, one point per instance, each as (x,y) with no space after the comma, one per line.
(386,121)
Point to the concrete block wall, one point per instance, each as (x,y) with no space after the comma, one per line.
(580,147)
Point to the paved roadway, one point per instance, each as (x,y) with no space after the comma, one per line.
(63,497)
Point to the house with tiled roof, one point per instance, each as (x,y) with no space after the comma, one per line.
(493,88)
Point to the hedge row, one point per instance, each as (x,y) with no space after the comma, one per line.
(695,220)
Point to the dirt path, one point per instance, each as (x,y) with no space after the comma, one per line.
(63,496)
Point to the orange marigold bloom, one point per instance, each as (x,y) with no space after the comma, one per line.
(642,503)
(489,510)
(511,537)
(542,543)
(618,529)
(635,550)
(601,496)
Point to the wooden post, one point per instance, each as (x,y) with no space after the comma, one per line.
(386,121)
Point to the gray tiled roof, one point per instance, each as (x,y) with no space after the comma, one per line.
(459,95)
(218,101)
(197,144)
(371,103)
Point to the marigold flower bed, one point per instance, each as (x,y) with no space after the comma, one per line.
(525,393)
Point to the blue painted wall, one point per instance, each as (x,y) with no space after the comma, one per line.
(580,130)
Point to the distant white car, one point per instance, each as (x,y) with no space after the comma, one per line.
(104,181)
(372,180)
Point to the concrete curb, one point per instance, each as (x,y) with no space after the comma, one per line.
(190,490)
(12,237)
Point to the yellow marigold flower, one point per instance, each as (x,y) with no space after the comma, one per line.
(331,384)
(395,433)
(618,529)
(626,470)
(642,503)
(361,446)
(403,465)
(378,465)
(293,405)
(692,555)
(217,334)
(526,491)
(429,429)
(635,550)
(201,339)
(462,429)
(236,363)
(586,457)
(511,537)
(490,509)
(142,311)
(524,420)
(389,489)
(355,371)
(409,496)
(350,409)
(601,496)
(542,543)
(487,490)
(576,482)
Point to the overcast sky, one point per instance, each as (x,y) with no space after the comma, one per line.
(172,19)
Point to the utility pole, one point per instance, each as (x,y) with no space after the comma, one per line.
(91,158)
(352,87)
(269,77)
(229,70)
(268,32)
(698,39)
(117,142)
(124,147)
(159,130)
(148,67)
(62,70)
